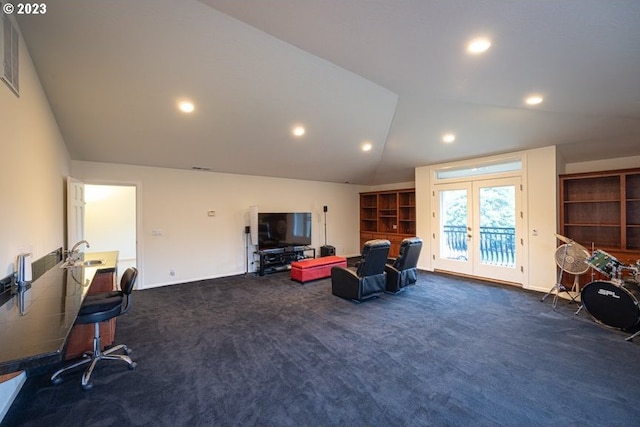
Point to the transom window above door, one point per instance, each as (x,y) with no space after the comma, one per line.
(503,166)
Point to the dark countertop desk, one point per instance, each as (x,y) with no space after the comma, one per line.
(36,320)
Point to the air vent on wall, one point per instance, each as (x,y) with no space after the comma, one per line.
(9,72)
(199,168)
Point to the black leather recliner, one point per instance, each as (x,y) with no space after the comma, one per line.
(403,271)
(369,279)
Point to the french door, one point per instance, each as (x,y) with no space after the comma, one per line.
(479,228)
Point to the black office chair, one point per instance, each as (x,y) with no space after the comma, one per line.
(99,308)
(369,279)
(402,271)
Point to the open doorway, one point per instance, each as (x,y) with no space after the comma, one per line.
(110,221)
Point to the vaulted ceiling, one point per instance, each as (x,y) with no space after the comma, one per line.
(394,74)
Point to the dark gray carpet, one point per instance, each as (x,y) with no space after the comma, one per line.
(270,352)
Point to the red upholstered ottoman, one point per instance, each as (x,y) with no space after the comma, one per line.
(316,268)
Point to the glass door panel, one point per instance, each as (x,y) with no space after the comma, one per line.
(497,207)
(497,226)
(453,218)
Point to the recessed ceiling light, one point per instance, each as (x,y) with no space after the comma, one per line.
(367,146)
(478,45)
(298,131)
(533,100)
(448,138)
(186,106)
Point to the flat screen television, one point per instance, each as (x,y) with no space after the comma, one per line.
(281,230)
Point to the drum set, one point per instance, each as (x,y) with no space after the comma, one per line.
(612,302)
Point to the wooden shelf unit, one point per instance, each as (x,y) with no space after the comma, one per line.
(368,212)
(602,209)
(632,201)
(388,215)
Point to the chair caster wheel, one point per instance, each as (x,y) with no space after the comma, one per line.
(87,386)
(132,366)
(128,351)
(56,381)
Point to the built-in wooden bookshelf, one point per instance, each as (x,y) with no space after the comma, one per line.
(601,210)
(388,215)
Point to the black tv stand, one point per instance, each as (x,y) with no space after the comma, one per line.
(280,259)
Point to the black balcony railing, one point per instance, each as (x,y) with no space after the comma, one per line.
(497,244)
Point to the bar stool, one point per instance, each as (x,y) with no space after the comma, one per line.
(99,308)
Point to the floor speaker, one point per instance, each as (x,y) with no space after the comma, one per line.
(327,250)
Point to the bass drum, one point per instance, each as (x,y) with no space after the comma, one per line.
(613,305)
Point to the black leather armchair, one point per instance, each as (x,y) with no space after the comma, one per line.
(403,271)
(369,279)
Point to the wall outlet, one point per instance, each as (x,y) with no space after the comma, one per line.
(156,232)
(172,272)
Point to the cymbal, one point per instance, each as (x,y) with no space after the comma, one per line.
(570,242)
(564,239)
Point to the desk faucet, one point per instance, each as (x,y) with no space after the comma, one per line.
(73,253)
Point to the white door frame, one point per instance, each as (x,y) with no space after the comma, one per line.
(472,265)
(139,241)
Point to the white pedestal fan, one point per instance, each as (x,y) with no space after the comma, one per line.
(571,257)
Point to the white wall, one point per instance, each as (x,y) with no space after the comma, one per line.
(541,215)
(34,164)
(603,165)
(396,186)
(174,204)
(540,186)
(423,216)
